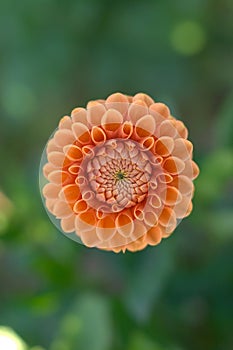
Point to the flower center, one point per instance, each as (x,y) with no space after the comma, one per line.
(120,175)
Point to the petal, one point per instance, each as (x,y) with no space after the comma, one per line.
(63,137)
(81,132)
(167,216)
(65,123)
(182,149)
(89,238)
(70,193)
(98,135)
(111,120)
(95,112)
(161,109)
(105,228)
(183,184)
(154,236)
(167,128)
(80,206)
(59,177)
(143,97)
(173,165)
(79,115)
(62,209)
(164,146)
(145,126)
(171,195)
(137,110)
(56,158)
(67,224)
(184,208)
(52,146)
(51,191)
(73,152)
(125,224)
(196,170)
(47,169)
(118,102)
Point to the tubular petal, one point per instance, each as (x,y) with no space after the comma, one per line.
(167,128)
(73,152)
(98,135)
(125,224)
(171,195)
(82,133)
(182,149)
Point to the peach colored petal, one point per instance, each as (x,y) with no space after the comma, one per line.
(95,112)
(65,123)
(63,137)
(58,177)
(183,208)
(182,149)
(49,203)
(67,224)
(171,195)
(164,146)
(182,130)
(82,133)
(167,128)
(79,115)
(155,201)
(47,169)
(137,110)
(154,236)
(51,191)
(143,97)
(196,170)
(52,146)
(111,120)
(90,239)
(183,184)
(62,209)
(161,109)
(173,165)
(167,216)
(125,224)
(82,227)
(145,126)
(118,102)
(150,218)
(56,158)
(105,228)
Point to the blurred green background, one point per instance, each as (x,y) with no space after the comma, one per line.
(56,294)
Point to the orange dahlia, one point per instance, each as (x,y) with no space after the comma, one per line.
(119,173)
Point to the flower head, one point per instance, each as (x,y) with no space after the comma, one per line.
(120,173)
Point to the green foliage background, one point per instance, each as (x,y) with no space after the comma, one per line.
(57,55)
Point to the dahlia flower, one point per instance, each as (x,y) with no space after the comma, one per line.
(119,173)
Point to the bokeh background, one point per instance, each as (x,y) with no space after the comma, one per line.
(56,294)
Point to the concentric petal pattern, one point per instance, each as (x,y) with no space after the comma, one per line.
(119,173)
